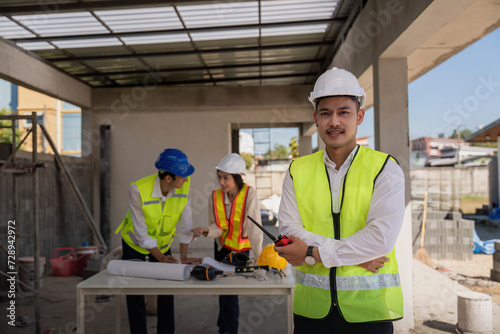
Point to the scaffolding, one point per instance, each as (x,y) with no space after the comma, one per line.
(10,165)
(263,178)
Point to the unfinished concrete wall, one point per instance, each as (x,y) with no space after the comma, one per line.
(446,185)
(276,182)
(62,223)
(197,120)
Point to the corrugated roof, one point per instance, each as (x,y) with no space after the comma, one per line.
(117,43)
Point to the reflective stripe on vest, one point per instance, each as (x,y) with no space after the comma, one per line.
(161,223)
(232,228)
(348,283)
(360,295)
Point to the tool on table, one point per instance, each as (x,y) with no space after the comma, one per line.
(250,269)
(205,272)
(239,259)
(279,272)
(281,240)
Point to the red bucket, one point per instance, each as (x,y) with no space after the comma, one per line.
(64,265)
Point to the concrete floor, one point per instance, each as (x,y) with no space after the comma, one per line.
(435,308)
(193,314)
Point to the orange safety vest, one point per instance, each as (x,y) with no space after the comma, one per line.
(232,235)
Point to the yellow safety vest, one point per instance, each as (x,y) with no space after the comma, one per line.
(360,295)
(232,228)
(160,223)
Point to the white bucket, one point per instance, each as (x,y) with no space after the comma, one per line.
(28,262)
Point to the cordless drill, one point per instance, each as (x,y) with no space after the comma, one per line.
(205,272)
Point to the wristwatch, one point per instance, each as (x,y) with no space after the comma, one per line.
(310,260)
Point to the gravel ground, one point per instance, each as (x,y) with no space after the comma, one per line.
(474,274)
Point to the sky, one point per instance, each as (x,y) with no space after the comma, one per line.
(463,91)
(5,94)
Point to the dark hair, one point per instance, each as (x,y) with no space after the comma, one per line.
(162,175)
(358,104)
(238,180)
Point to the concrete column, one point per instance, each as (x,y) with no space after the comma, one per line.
(305,145)
(498,171)
(392,136)
(87,139)
(474,313)
(305,141)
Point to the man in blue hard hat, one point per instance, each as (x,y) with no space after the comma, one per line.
(157,204)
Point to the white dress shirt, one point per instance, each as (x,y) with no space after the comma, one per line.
(140,228)
(383,223)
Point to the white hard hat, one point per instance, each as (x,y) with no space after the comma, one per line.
(337,82)
(233,164)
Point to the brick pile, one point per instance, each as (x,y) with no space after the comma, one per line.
(447,235)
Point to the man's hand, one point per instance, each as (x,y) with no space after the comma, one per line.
(191,260)
(374,265)
(197,231)
(169,259)
(294,253)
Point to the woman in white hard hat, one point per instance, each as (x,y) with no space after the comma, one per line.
(229,207)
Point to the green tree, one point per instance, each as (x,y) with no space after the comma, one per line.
(6,134)
(248,159)
(466,132)
(279,152)
(484,144)
(463,133)
(293,146)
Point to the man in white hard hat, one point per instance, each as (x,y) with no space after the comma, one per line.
(343,209)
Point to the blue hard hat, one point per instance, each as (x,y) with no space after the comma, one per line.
(174,161)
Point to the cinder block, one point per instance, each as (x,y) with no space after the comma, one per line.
(496,257)
(497,246)
(496,266)
(495,275)
(449,224)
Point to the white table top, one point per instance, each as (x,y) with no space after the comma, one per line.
(104,280)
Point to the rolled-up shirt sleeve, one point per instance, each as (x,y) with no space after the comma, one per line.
(213,230)
(254,234)
(186,224)
(384,221)
(138,220)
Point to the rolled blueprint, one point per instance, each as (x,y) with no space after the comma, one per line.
(227,268)
(170,271)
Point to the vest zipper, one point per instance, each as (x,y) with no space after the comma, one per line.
(336,227)
(333,270)
(336,231)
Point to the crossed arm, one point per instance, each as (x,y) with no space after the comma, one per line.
(366,248)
